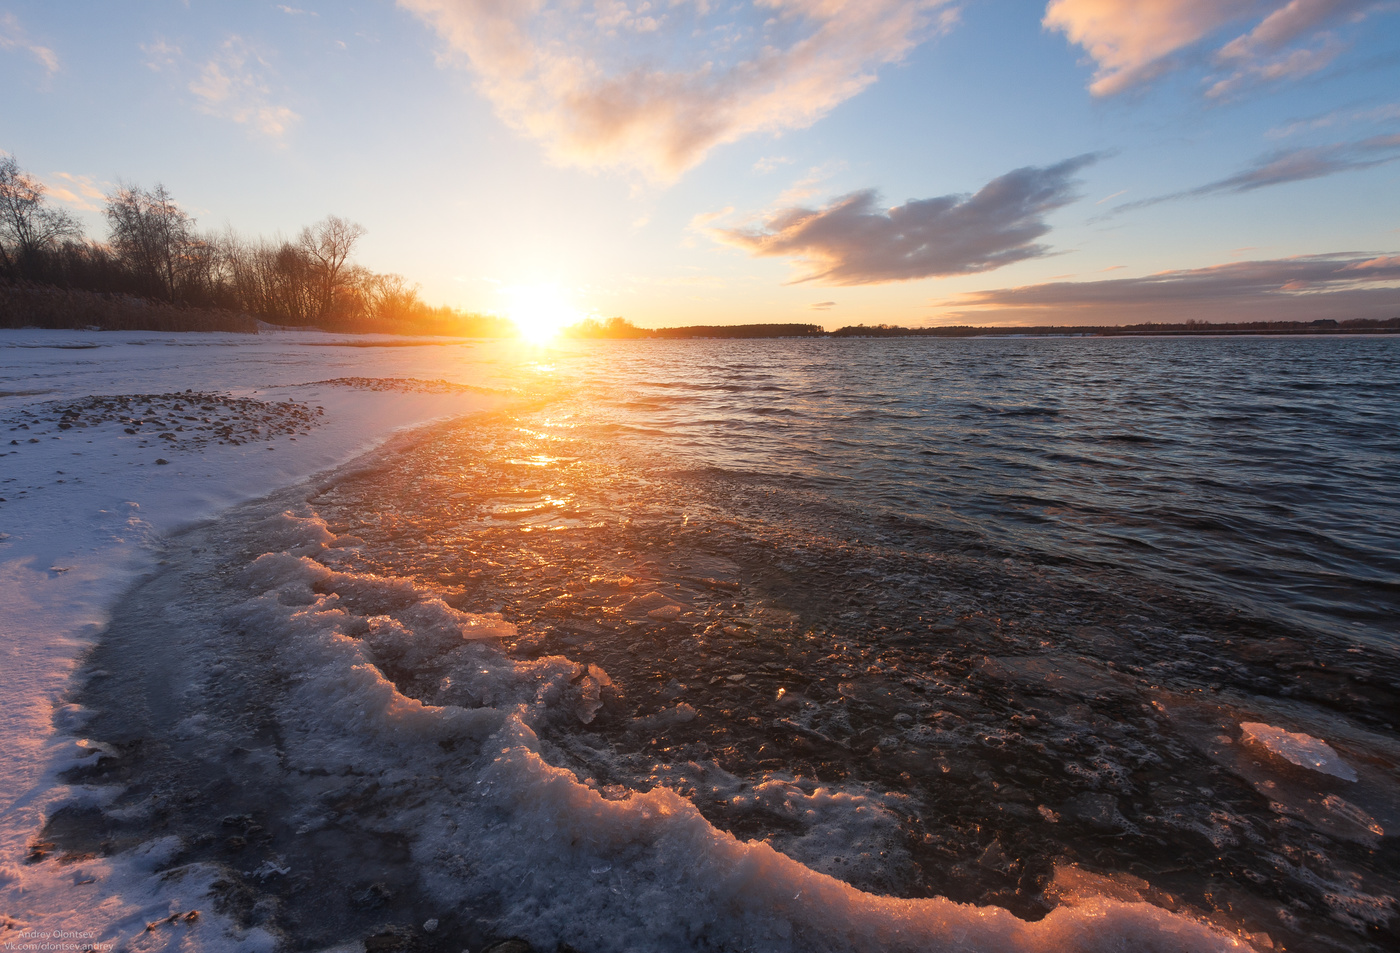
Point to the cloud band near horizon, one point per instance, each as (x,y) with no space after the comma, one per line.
(1339,286)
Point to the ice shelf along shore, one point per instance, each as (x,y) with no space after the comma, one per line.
(111,441)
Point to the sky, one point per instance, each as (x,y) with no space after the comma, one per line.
(834,162)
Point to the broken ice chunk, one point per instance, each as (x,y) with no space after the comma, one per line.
(1297,748)
(591,682)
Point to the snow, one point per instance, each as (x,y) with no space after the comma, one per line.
(1298,748)
(85,510)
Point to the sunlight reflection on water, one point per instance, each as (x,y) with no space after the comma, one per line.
(1259,470)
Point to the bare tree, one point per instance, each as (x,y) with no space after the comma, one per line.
(28,227)
(327,245)
(153,235)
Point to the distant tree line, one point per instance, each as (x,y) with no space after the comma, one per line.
(612,329)
(620,328)
(154,252)
(1190,327)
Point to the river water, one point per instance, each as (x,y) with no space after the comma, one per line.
(691,627)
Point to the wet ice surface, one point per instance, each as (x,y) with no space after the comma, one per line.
(1298,749)
(904,708)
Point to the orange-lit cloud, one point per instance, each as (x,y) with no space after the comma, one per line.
(853,242)
(652,87)
(14,37)
(1135,41)
(79,191)
(1336,286)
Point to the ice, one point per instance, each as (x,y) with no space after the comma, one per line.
(606,870)
(1297,748)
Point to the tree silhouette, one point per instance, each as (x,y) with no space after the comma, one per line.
(28,227)
(153,236)
(327,245)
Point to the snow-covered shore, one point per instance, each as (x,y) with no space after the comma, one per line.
(88,490)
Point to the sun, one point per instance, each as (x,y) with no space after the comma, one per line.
(540,312)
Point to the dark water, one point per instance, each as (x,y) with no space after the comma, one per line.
(1261,472)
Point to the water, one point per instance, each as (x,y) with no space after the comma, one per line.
(1260,472)
(977,620)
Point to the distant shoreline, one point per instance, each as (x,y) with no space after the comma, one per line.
(28,305)
(618,329)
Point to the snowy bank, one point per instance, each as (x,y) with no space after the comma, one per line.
(184,425)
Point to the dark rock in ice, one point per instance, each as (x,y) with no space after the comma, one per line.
(510,946)
(389,941)
(375,895)
(1098,811)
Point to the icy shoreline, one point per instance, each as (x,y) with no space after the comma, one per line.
(351,810)
(307,723)
(87,498)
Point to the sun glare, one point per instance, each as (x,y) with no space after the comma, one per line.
(540,312)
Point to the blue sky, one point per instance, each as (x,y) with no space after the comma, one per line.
(697,161)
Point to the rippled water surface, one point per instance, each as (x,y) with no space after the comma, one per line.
(1264,472)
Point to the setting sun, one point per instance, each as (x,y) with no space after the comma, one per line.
(540,311)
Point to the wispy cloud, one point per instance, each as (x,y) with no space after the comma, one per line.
(162,56)
(823,305)
(1292,165)
(14,37)
(810,183)
(652,87)
(233,84)
(767,164)
(1383,115)
(79,191)
(1134,42)
(853,242)
(1339,285)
